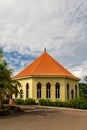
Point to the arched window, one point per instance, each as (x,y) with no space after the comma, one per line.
(48,88)
(57,89)
(72,94)
(39,90)
(76,94)
(27,90)
(68,92)
(21,93)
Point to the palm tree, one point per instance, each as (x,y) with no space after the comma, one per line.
(7,84)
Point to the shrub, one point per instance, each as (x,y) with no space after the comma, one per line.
(45,102)
(5,101)
(76,103)
(29,101)
(83,104)
(42,102)
(67,104)
(49,103)
(19,101)
(58,103)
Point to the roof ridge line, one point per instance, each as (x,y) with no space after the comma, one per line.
(38,63)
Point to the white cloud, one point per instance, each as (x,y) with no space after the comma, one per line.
(59,25)
(80,70)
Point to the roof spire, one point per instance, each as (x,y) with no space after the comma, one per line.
(45,50)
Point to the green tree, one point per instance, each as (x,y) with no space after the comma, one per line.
(7,84)
(83,87)
(83,90)
(85,78)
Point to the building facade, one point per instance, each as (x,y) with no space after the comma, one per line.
(45,78)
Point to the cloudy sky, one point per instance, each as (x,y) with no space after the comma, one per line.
(28,26)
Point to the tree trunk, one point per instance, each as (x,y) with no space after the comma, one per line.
(1,102)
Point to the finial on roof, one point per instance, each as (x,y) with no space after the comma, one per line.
(44,49)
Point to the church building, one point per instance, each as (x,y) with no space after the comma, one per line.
(45,78)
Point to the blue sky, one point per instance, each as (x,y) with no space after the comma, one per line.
(28,26)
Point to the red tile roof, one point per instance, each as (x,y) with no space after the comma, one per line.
(45,65)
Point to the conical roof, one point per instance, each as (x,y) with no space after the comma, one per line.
(45,65)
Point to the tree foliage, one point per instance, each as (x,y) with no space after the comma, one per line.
(7,84)
(83,90)
(85,78)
